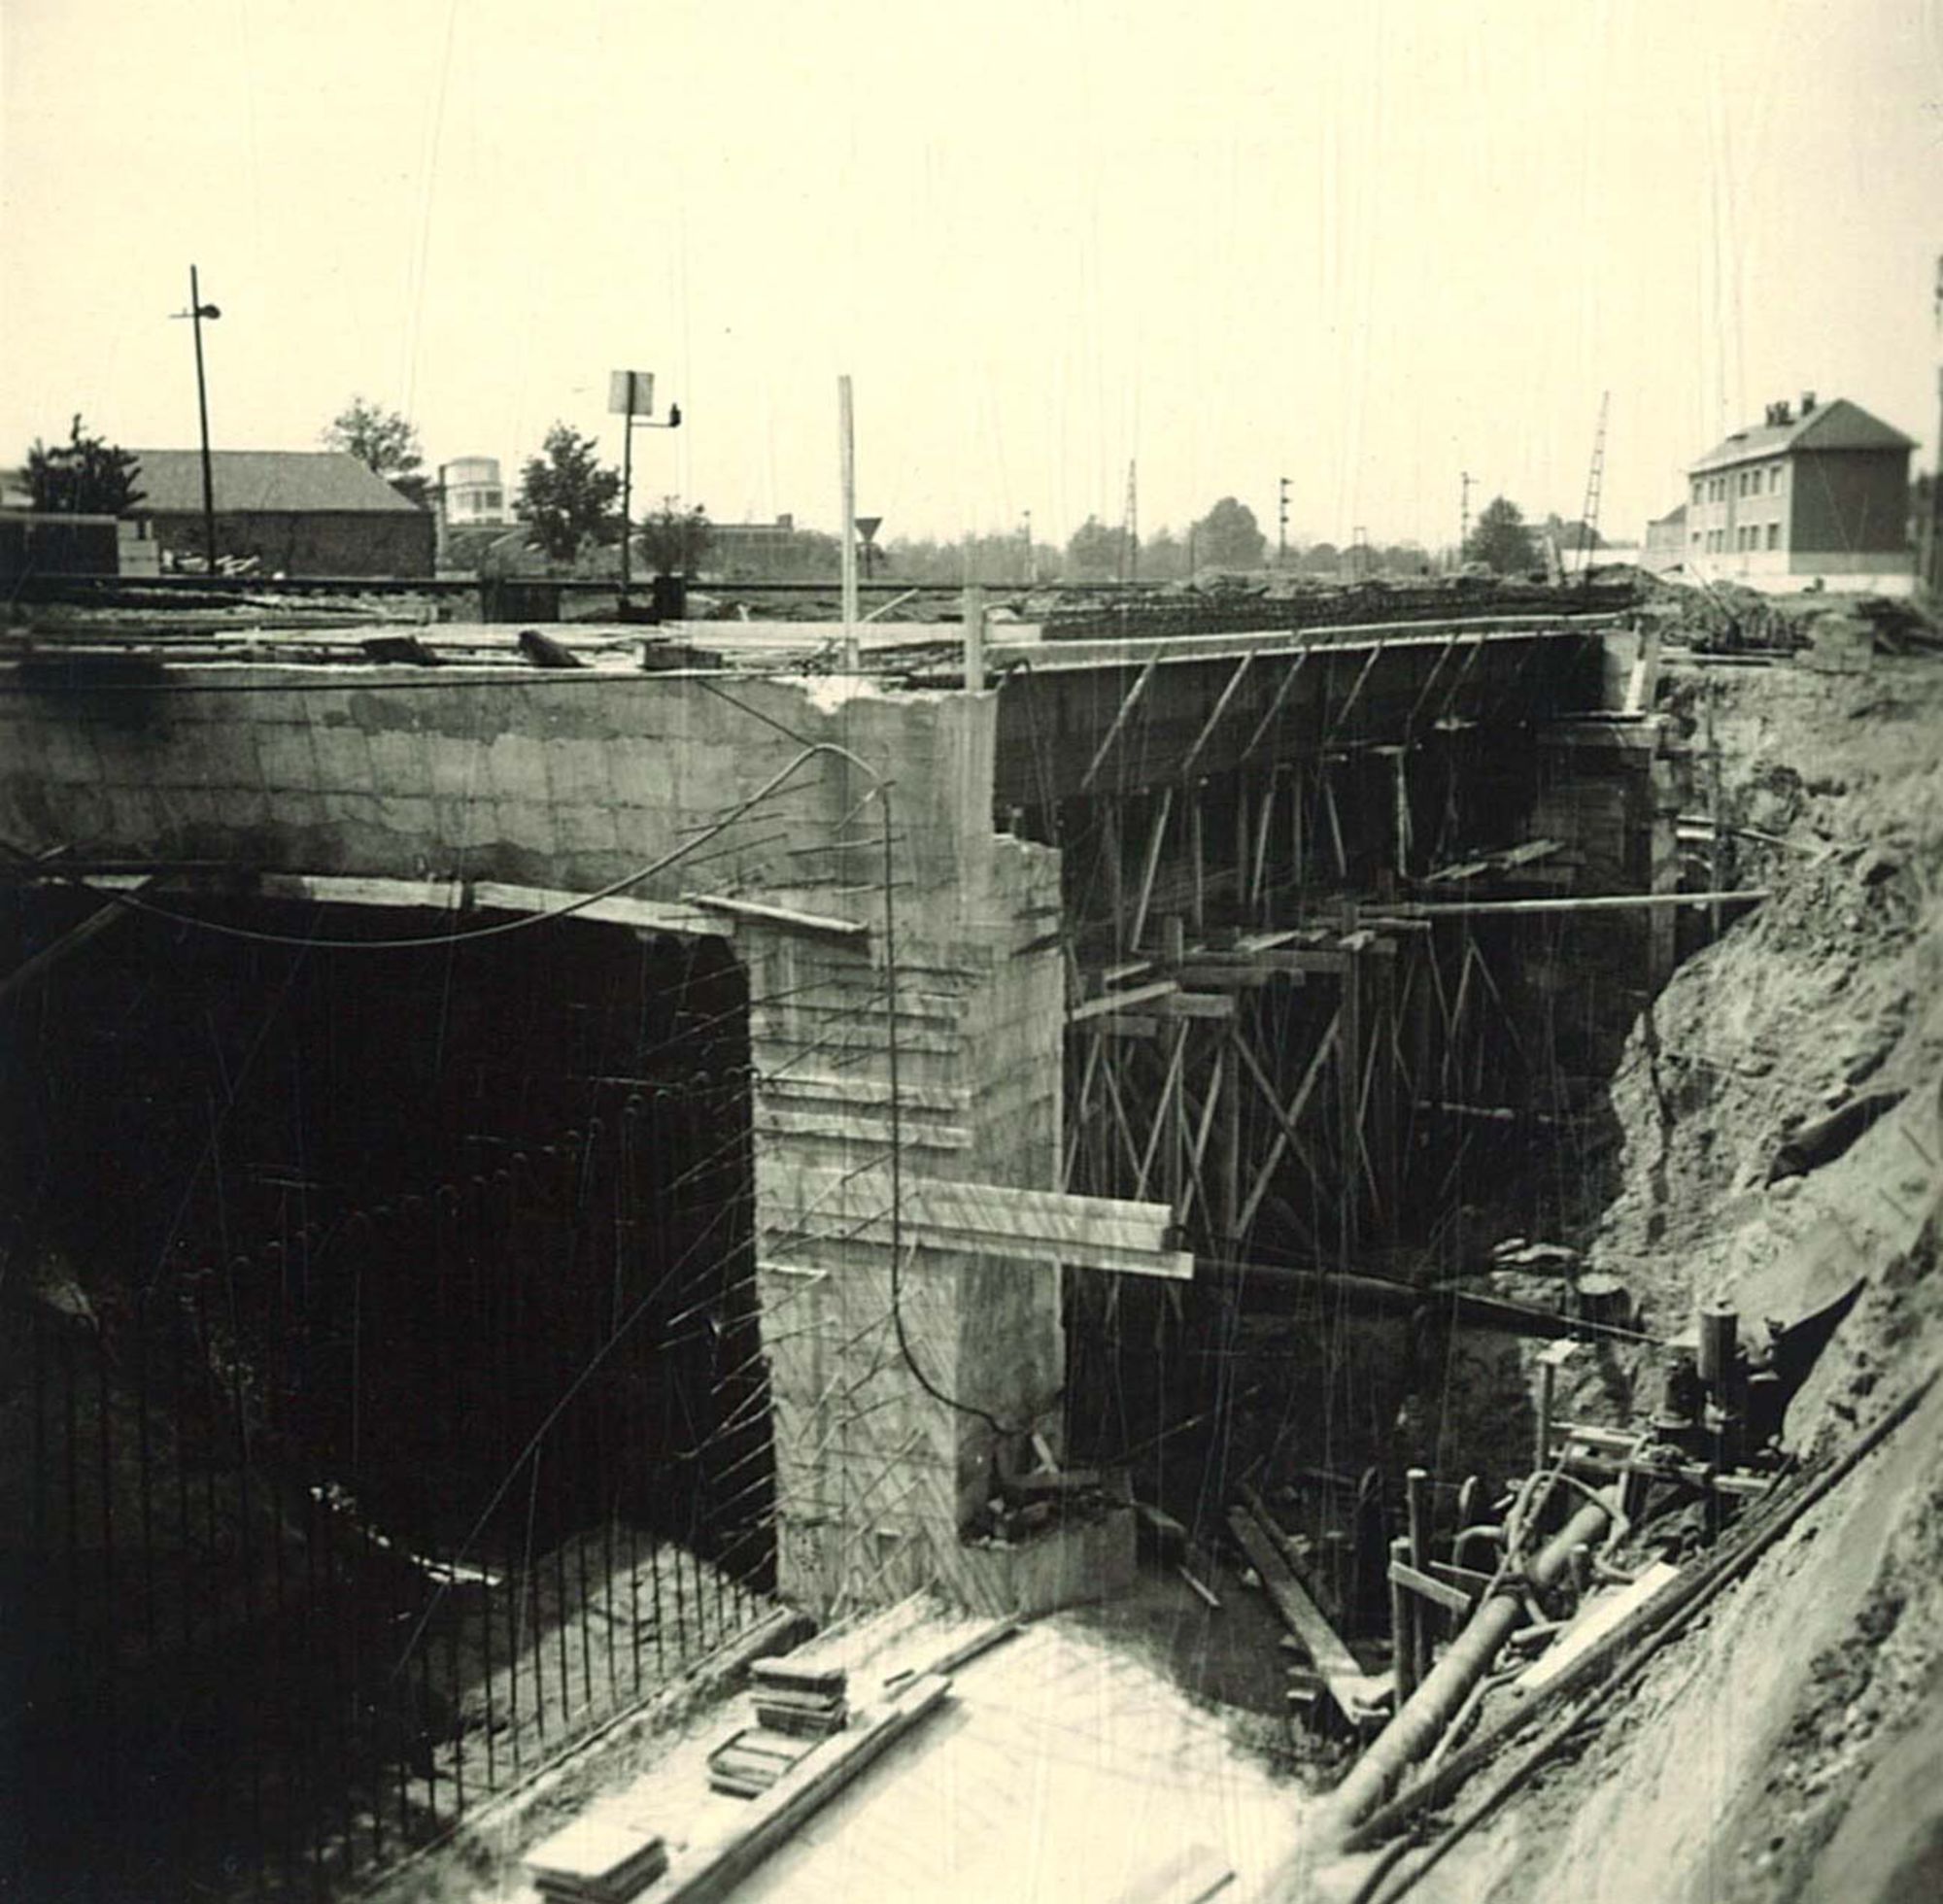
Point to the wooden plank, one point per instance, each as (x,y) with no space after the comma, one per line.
(1106,1001)
(1241,973)
(1451,1599)
(1202,1592)
(1163,1119)
(1405,909)
(833,1206)
(429,894)
(1198,1004)
(1464,1576)
(714,1871)
(1283,689)
(1156,840)
(1355,692)
(645,915)
(787,916)
(1349,1685)
(1286,1134)
(1592,1625)
(1126,1024)
(1214,719)
(1119,721)
(36,967)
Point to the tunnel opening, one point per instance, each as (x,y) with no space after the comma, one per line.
(386,1406)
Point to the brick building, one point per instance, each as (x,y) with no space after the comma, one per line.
(1819,495)
(300,512)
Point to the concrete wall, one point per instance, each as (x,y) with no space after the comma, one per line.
(573,782)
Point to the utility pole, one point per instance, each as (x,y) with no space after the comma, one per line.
(1026,574)
(1464,515)
(1934,567)
(1129,541)
(847,476)
(1281,523)
(627,488)
(196,312)
(631,393)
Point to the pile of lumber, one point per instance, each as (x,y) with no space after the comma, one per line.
(804,1701)
(597,1861)
(746,1764)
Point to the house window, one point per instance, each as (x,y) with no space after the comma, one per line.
(1696,488)
(1774,535)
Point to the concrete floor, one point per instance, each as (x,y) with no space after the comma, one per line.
(1064,1765)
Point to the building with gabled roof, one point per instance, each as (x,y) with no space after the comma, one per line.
(298,511)
(1817,496)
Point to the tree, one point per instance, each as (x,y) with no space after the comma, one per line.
(567,495)
(1321,559)
(84,477)
(1501,539)
(1163,557)
(384,442)
(1228,536)
(1571,536)
(674,540)
(1096,553)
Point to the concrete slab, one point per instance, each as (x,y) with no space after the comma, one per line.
(1060,1770)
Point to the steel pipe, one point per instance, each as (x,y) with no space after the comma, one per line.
(1430,1708)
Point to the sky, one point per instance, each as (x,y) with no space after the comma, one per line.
(1365,248)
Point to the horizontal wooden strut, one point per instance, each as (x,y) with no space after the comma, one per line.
(830,1207)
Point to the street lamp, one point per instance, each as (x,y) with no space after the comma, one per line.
(196,312)
(631,394)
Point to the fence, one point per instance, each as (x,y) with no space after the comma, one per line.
(327,1540)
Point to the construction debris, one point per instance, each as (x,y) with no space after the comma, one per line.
(596,1861)
(807,1701)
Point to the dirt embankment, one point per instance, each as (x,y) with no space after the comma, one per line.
(1788,1748)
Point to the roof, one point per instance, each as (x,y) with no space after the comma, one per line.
(1837,426)
(250,482)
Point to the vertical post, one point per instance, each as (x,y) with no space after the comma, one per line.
(1403,841)
(627,488)
(1231,1145)
(1198,903)
(846,433)
(1403,1655)
(974,639)
(1548,1377)
(1110,848)
(1349,1106)
(202,413)
(1417,1500)
(1715,857)
(1934,576)
(1382,1130)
